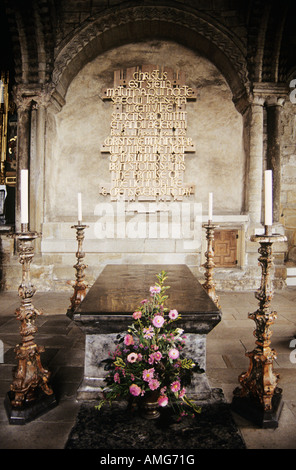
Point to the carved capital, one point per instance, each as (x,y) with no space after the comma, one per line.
(258,100)
(274,94)
(22,101)
(26,96)
(275,101)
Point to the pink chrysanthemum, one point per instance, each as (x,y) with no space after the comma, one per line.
(175,386)
(148,332)
(163,400)
(173,353)
(132,357)
(137,315)
(116,377)
(135,390)
(155,290)
(153,384)
(151,359)
(158,321)
(182,392)
(157,356)
(128,340)
(148,374)
(173,314)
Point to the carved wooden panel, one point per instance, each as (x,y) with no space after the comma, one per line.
(225,248)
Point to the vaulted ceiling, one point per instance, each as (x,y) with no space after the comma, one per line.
(35,32)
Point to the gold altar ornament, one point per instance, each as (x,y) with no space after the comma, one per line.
(79,285)
(209,265)
(259,398)
(30,393)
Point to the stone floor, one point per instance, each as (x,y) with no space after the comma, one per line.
(226,346)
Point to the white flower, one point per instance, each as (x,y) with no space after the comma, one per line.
(179,332)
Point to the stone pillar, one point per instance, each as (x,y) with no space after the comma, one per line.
(274,107)
(31,110)
(255,160)
(23,148)
(38,120)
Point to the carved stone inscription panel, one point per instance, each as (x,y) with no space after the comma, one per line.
(148,135)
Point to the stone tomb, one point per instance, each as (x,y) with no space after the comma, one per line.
(107,311)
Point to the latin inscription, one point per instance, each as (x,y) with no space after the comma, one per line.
(148,135)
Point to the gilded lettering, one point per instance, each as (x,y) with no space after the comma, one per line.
(148,141)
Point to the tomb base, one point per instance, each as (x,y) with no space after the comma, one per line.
(106,313)
(96,351)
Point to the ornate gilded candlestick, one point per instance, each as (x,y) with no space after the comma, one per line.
(30,394)
(259,399)
(209,265)
(79,285)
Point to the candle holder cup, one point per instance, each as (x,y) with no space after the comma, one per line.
(30,394)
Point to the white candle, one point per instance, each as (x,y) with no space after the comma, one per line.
(210,206)
(268,197)
(79,208)
(24,196)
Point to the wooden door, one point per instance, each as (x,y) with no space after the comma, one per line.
(225,248)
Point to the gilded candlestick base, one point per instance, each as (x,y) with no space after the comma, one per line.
(259,398)
(209,265)
(30,382)
(79,285)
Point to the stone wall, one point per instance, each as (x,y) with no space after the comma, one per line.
(288,193)
(74,163)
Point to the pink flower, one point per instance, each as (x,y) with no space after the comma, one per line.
(148,332)
(153,384)
(155,290)
(148,374)
(175,386)
(182,392)
(117,377)
(151,359)
(157,356)
(137,314)
(135,390)
(173,353)
(158,321)
(144,301)
(132,357)
(173,314)
(163,400)
(128,340)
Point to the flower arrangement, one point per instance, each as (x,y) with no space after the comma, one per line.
(150,356)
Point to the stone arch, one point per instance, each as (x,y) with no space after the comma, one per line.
(134,24)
